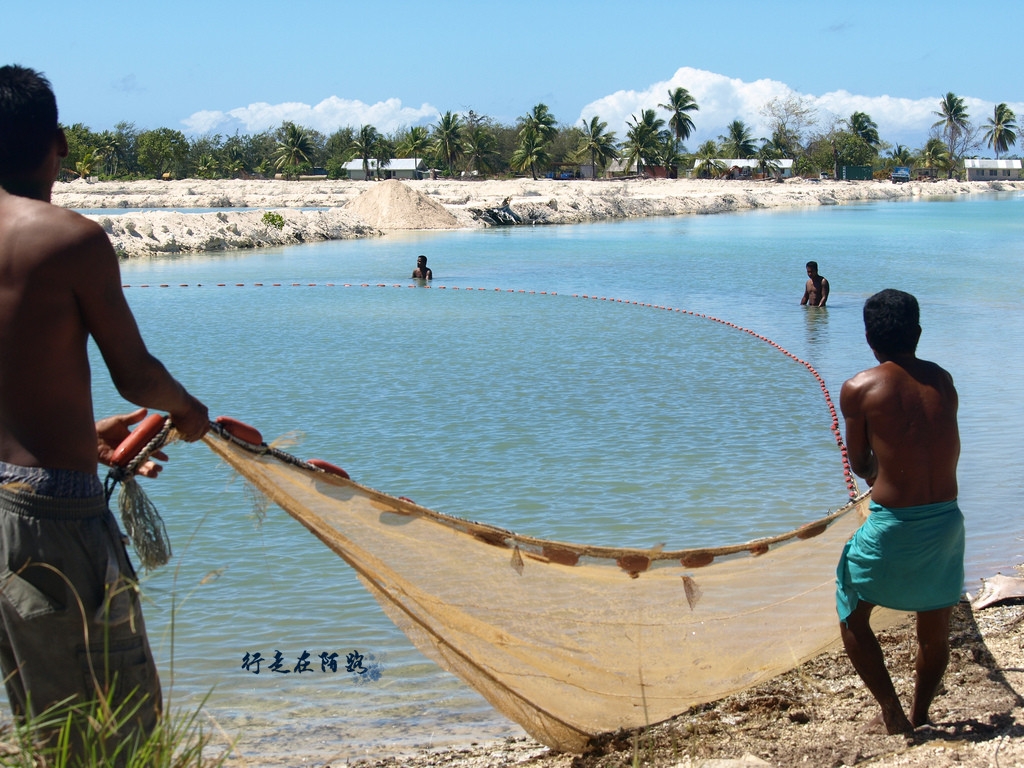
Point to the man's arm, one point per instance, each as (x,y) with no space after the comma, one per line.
(807,295)
(858,442)
(139,377)
(824,292)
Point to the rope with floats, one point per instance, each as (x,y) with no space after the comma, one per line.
(850,479)
(142,521)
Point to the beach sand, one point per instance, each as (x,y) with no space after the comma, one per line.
(319,210)
(812,716)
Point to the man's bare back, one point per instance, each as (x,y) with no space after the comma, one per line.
(902,431)
(902,437)
(59,284)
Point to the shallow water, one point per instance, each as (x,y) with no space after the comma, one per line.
(558,416)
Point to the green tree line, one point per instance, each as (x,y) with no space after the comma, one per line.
(460,144)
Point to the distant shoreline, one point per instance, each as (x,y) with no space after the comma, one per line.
(313,211)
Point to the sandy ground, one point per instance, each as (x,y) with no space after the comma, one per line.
(320,210)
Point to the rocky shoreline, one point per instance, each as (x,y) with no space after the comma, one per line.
(312,211)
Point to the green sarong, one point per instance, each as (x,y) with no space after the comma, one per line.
(908,559)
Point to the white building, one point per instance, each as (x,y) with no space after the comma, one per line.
(992,170)
(748,166)
(399,168)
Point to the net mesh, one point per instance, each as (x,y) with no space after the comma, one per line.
(571,641)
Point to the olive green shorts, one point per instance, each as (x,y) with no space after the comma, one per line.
(70,619)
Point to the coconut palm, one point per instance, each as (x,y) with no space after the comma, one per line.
(767,157)
(294,148)
(899,155)
(111,149)
(738,141)
(669,155)
(448,139)
(365,146)
(679,103)
(861,124)
(383,153)
(954,124)
(934,155)
(540,121)
(84,166)
(1001,133)
(531,152)
(415,143)
(707,163)
(645,139)
(481,148)
(597,142)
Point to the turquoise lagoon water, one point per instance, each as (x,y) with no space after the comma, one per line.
(553,415)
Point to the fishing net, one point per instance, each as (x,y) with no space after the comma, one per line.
(568,640)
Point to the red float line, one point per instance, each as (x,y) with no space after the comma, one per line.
(851,482)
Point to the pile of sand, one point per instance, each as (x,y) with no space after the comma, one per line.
(392,205)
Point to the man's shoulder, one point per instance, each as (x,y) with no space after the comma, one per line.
(50,226)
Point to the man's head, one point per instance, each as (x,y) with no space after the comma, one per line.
(892,322)
(28,121)
(812,268)
(421,261)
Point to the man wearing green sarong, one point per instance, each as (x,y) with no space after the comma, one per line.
(902,437)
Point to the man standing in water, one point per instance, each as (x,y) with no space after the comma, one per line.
(422,271)
(902,437)
(816,288)
(70,620)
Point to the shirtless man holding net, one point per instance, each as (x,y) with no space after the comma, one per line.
(902,437)
(67,589)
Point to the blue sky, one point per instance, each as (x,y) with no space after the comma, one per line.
(220,66)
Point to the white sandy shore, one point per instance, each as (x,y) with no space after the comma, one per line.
(316,210)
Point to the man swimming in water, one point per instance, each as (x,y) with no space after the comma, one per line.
(902,437)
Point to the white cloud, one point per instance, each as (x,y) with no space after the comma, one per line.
(328,116)
(723,99)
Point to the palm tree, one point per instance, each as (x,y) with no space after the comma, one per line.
(531,152)
(899,155)
(365,146)
(1002,129)
(669,156)
(541,122)
(737,141)
(383,153)
(416,142)
(481,148)
(954,124)
(83,167)
(862,125)
(294,148)
(644,139)
(111,148)
(706,160)
(679,103)
(598,142)
(767,156)
(448,139)
(934,155)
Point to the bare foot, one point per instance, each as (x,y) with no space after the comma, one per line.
(880,726)
(875,726)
